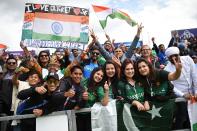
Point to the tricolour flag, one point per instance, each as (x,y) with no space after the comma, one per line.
(192,111)
(104,12)
(57,27)
(124,117)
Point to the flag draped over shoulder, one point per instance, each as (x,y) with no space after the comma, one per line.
(159,118)
(104,12)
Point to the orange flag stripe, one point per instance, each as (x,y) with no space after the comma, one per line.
(99,8)
(62,17)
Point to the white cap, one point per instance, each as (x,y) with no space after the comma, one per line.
(172,51)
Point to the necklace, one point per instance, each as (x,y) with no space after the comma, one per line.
(133,87)
(150,86)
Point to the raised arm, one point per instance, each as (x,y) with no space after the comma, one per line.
(111,41)
(175,75)
(104,53)
(131,49)
(27,54)
(155,46)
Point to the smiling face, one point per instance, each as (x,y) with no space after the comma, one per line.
(11,64)
(53,67)
(129,71)
(52,84)
(143,69)
(76,75)
(44,57)
(146,51)
(110,70)
(98,76)
(33,79)
(118,52)
(59,55)
(95,54)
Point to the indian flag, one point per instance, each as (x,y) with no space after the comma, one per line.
(104,12)
(192,111)
(57,27)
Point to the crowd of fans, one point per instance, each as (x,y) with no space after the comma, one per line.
(72,80)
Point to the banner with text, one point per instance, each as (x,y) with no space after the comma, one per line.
(49,25)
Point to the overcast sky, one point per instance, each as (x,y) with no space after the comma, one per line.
(159,17)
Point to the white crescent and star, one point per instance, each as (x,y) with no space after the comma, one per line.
(155,112)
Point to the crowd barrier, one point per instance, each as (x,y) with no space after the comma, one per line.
(70,114)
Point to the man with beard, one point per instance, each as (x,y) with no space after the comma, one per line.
(185,86)
(92,62)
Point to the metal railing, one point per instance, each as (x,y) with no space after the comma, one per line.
(70,114)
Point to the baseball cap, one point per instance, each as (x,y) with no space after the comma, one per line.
(53,75)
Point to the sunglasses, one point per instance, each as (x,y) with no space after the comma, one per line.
(95,53)
(11,63)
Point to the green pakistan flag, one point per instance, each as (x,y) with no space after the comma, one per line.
(158,118)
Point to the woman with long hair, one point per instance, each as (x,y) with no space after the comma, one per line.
(44,58)
(94,87)
(129,89)
(156,82)
(111,77)
(96,93)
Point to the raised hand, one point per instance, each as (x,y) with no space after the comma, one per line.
(107,36)
(92,34)
(21,69)
(85,95)
(153,39)
(116,60)
(66,52)
(106,86)
(139,29)
(22,45)
(70,93)
(177,63)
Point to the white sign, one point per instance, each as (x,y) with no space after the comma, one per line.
(52,123)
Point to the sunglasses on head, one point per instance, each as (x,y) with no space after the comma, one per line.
(11,63)
(95,53)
